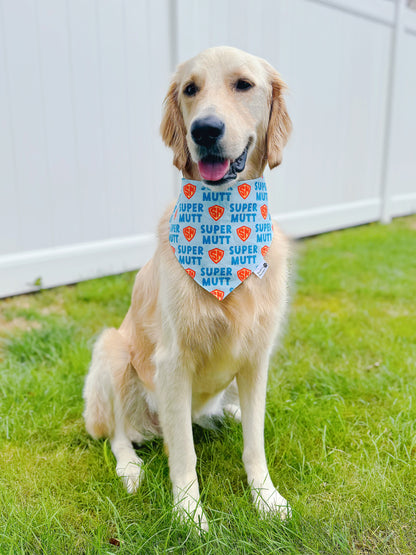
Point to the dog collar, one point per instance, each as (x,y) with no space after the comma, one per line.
(221,237)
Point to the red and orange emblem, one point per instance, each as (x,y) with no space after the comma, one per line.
(218,293)
(244,190)
(263,210)
(216,212)
(243,273)
(189,190)
(264,250)
(191,272)
(243,232)
(216,255)
(189,232)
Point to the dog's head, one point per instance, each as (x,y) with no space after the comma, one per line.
(225,116)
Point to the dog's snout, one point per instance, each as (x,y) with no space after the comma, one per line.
(207,131)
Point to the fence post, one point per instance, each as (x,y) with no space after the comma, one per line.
(396,44)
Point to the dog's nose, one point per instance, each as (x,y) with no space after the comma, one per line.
(207,131)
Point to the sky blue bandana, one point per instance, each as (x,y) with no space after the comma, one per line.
(221,237)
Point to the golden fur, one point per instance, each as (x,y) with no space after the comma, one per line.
(181,354)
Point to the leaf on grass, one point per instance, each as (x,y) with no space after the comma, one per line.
(38,282)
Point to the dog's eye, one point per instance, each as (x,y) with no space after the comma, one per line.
(190,90)
(243,85)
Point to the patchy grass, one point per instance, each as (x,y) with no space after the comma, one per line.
(340,422)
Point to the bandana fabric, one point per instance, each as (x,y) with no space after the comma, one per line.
(221,237)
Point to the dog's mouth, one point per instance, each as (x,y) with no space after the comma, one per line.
(215,170)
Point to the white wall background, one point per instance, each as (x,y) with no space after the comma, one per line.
(84,175)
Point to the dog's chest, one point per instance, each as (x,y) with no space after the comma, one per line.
(219,346)
(215,372)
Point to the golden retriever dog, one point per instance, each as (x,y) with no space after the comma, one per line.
(181,354)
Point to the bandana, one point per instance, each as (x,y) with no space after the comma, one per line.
(221,237)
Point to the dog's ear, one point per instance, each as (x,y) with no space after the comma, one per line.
(280,125)
(173,128)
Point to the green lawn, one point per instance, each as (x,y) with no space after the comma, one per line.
(340,423)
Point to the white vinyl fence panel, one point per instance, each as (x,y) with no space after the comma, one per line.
(84,175)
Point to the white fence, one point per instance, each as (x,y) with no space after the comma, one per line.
(83,172)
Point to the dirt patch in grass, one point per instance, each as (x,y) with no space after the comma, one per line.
(20,313)
(46,303)
(17,324)
(410,221)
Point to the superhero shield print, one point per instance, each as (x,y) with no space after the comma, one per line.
(221,237)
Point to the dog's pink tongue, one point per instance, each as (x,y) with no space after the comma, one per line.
(213,171)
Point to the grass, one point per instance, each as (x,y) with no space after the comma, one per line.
(340,423)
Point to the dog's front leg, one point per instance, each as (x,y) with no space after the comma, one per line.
(174,395)
(252,384)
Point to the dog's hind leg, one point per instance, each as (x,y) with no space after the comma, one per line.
(105,411)
(128,463)
(110,357)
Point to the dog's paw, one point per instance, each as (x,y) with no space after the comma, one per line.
(131,475)
(269,502)
(190,511)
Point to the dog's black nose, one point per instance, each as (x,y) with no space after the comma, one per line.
(207,131)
